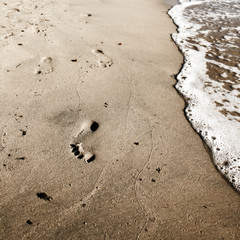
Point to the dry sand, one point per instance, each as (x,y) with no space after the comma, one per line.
(152,178)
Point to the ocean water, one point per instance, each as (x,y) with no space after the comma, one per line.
(209,38)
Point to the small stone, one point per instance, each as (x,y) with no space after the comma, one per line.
(44,196)
(94,126)
(29,222)
(23,132)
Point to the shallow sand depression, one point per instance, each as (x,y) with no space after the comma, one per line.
(93,80)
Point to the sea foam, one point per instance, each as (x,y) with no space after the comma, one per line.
(208,37)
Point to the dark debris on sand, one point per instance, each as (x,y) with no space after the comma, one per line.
(44,196)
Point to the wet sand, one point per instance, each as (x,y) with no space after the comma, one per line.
(69,64)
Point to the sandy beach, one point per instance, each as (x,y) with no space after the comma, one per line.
(94,141)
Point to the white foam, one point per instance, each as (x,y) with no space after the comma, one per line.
(220,132)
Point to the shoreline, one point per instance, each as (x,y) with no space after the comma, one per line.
(190,95)
(108,63)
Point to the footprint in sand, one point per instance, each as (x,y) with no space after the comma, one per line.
(102,60)
(44,67)
(77,148)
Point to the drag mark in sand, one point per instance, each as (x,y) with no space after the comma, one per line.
(80,79)
(137,184)
(3,143)
(129,84)
(149,217)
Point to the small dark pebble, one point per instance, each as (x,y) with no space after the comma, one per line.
(9,155)
(84,205)
(91,159)
(205,206)
(20,44)
(44,196)
(100,51)
(136,143)
(29,222)
(23,132)
(4,165)
(21,158)
(119,44)
(74,60)
(153,180)
(39,72)
(94,126)
(158,170)
(140,179)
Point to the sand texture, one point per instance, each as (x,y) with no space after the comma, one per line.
(94,143)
